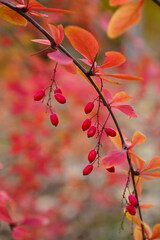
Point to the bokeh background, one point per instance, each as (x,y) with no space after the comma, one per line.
(42,165)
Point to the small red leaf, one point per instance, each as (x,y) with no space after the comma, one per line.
(19,233)
(127,109)
(114,158)
(42,41)
(4,215)
(35,221)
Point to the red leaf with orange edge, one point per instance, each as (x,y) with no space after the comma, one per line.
(155,232)
(113,59)
(126,109)
(153,164)
(124,77)
(83,41)
(60,58)
(146,206)
(125,17)
(11,16)
(138,138)
(4,215)
(120,97)
(57,33)
(117,2)
(114,158)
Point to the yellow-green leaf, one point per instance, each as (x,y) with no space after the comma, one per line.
(11,16)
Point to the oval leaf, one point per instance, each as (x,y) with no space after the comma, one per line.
(60,58)
(127,109)
(83,41)
(120,97)
(11,16)
(113,59)
(138,138)
(153,164)
(124,77)
(19,233)
(114,158)
(125,17)
(4,215)
(156,232)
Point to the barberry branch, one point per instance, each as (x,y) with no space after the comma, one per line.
(88,74)
(156,2)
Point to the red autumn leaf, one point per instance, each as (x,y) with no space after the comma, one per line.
(120,97)
(11,16)
(35,221)
(114,158)
(138,138)
(126,109)
(57,33)
(41,41)
(117,2)
(19,233)
(59,57)
(125,17)
(83,41)
(4,215)
(124,77)
(113,59)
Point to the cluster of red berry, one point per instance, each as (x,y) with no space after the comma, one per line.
(133,202)
(91,131)
(40,94)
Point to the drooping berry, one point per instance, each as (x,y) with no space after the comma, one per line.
(86,124)
(60,98)
(131,209)
(57,90)
(133,200)
(54,119)
(92,155)
(110,132)
(89,107)
(88,169)
(91,131)
(39,95)
(111,169)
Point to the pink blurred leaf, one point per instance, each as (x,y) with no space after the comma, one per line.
(35,221)
(4,215)
(19,233)
(60,58)
(114,158)
(127,109)
(42,41)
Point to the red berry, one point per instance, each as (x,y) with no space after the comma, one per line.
(92,155)
(111,169)
(54,119)
(110,132)
(133,200)
(88,169)
(91,131)
(86,124)
(131,209)
(39,95)
(89,107)
(60,98)
(57,90)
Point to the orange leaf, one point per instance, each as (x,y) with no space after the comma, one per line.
(153,164)
(113,59)
(146,206)
(138,138)
(117,141)
(83,41)
(125,17)
(120,97)
(138,182)
(11,16)
(110,81)
(139,163)
(135,219)
(152,174)
(156,232)
(138,232)
(124,77)
(117,2)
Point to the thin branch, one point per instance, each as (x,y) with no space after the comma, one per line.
(88,74)
(156,2)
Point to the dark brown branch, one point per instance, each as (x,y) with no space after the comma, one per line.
(156,2)
(88,74)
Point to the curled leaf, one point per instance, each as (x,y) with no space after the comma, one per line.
(113,59)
